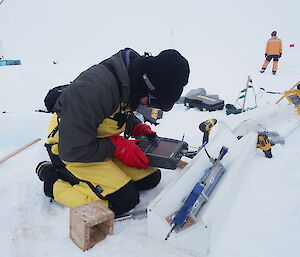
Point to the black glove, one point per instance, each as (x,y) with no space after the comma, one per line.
(280,55)
(266,55)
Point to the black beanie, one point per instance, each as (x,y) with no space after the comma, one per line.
(164,77)
(274,33)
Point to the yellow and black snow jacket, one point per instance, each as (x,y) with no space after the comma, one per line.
(93,107)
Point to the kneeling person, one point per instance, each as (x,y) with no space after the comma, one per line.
(89,159)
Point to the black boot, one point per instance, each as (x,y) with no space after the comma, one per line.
(47,173)
(274,72)
(262,70)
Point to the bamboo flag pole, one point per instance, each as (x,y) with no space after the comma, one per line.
(19,150)
(289,89)
(248,81)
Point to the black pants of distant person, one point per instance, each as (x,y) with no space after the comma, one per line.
(275,62)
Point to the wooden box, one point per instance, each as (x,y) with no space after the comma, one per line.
(90,223)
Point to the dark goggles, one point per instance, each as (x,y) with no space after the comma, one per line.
(153,101)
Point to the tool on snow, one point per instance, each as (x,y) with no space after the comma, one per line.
(206,127)
(264,144)
(187,214)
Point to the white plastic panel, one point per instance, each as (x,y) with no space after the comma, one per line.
(199,238)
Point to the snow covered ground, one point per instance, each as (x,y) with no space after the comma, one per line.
(224,42)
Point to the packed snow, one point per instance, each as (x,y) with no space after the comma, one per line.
(224,42)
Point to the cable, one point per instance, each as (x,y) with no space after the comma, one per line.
(264,127)
(271,92)
(209,157)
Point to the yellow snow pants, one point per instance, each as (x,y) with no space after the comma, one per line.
(110,174)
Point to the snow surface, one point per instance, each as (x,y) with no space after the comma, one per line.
(224,42)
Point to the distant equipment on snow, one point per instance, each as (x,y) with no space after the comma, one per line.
(199,99)
(3,60)
(9,62)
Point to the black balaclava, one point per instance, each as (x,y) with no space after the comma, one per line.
(162,77)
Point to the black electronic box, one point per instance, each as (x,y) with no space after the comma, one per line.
(162,152)
(209,103)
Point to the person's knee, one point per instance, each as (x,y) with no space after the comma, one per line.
(49,175)
(148,182)
(124,199)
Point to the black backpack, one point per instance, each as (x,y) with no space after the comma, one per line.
(52,96)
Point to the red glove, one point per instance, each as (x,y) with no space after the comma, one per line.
(142,129)
(129,153)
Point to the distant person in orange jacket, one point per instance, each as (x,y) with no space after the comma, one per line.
(273,51)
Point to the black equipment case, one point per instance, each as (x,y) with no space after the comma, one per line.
(204,102)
